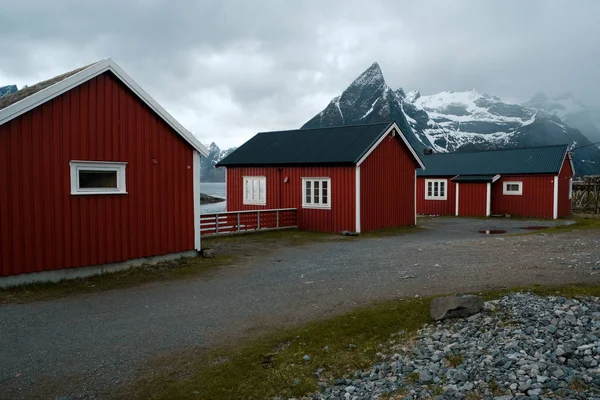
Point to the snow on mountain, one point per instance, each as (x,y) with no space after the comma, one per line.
(208,172)
(456,121)
(4,90)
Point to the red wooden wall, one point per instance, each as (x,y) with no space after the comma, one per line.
(472,199)
(280,194)
(387,186)
(564,183)
(43,227)
(536,201)
(436,207)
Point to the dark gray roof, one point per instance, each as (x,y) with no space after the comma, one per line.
(532,160)
(337,145)
(25,92)
(474,178)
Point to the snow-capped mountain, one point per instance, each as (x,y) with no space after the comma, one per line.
(4,90)
(571,112)
(453,121)
(208,172)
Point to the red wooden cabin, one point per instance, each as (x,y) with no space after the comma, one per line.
(93,173)
(356,178)
(526,182)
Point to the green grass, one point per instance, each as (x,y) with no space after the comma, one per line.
(273,365)
(178,269)
(403,230)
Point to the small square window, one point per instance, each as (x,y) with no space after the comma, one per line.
(97,177)
(435,189)
(255,190)
(513,188)
(316,192)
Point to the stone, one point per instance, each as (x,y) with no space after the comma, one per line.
(208,253)
(424,377)
(457,306)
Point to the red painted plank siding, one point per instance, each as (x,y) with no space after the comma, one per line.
(436,207)
(536,201)
(43,227)
(564,184)
(288,194)
(387,184)
(472,199)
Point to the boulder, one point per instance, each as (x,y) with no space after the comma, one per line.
(208,253)
(457,306)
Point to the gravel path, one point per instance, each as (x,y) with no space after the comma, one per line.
(84,346)
(520,347)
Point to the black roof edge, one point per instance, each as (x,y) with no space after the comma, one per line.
(254,165)
(328,127)
(566,145)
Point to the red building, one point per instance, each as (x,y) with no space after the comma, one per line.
(527,182)
(355,178)
(95,174)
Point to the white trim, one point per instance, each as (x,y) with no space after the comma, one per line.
(512,192)
(456,206)
(488,200)
(36,99)
(118,168)
(358,199)
(433,196)
(415,190)
(326,206)
(383,136)
(555,202)
(196,188)
(570,188)
(495,178)
(254,202)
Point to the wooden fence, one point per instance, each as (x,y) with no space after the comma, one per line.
(244,221)
(586,195)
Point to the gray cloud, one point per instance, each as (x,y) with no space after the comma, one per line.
(227,69)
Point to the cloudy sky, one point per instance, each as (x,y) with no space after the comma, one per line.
(228,69)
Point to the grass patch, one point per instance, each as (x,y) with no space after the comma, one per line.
(582,222)
(170,270)
(284,236)
(265,368)
(454,359)
(274,365)
(403,230)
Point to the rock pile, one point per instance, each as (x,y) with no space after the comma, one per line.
(521,346)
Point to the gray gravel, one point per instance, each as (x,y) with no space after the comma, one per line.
(86,345)
(520,347)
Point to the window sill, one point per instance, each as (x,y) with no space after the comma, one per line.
(512,194)
(94,193)
(316,207)
(254,204)
(436,198)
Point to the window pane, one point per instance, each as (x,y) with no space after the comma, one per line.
(261,190)
(308,192)
(435,189)
(442,189)
(97,179)
(324,192)
(429,189)
(317,192)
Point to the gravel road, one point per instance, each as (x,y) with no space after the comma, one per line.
(88,345)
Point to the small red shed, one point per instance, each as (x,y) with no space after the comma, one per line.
(527,182)
(356,178)
(94,175)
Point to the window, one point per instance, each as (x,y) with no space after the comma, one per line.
(255,190)
(435,189)
(316,192)
(98,177)
(513,188)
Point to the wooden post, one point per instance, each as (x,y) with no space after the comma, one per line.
(216,223)
(277,218)
(258,218)
(238,221)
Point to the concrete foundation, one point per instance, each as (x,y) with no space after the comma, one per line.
(82,272)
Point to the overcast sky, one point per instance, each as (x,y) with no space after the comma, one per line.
(228,69)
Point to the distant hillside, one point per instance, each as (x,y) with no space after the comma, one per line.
(4,90)
(208,172)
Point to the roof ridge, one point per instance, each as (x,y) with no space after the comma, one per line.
(387,123)
(498,150)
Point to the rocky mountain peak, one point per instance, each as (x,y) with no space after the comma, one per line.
(538,98)
(5,90)
(372,77)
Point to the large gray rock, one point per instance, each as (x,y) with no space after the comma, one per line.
(457,306)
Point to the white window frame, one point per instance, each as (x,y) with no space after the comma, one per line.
(256,201)
(320,204)
(507,192)
(104,166)
(433,182)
